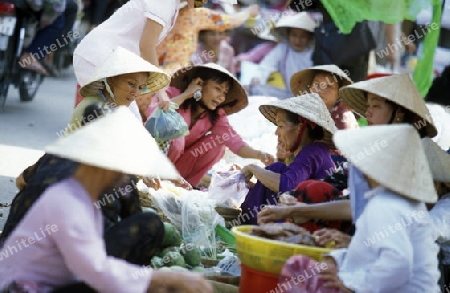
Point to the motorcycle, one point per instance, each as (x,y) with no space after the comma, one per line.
(18,27)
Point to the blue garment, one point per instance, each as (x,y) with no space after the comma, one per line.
(358,186)
(40,46)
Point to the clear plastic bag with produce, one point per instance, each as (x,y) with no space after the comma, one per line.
(169,202)
(228,188)
(199,220)
(165,125)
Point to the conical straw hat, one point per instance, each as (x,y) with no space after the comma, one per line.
(309,106)
(301,81)
(397,88)
(121,61)
(116,141)
(236,98)
(393,156)
(438,159)
(300,20)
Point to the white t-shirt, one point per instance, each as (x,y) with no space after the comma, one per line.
(124,28)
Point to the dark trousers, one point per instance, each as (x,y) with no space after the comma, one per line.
(40,46)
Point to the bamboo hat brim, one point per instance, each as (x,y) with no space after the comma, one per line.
(308,106)
(236,99)
(438,159)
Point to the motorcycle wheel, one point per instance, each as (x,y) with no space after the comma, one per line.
(29,84)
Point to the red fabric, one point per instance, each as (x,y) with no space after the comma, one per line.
(376,75)
(316,191)
(300,275)
(78,97)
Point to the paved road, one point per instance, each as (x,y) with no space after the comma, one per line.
(26,128)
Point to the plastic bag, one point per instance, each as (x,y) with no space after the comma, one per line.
(199,220)
(165,125)
(168,200)
(228,188)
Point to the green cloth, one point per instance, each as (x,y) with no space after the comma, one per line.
(346,14)
(423,73)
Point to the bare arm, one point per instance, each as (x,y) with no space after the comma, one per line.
(268,178)
(335,210)
(250,153)
(147,46)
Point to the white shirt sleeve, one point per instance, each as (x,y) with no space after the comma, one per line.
(394,262)
(162,14)
(84,250)
(271,62)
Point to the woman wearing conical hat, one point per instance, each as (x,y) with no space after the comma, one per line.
(326,80)
(385,100)
(126,75)
(206,94)
(393,249)
(59,246)
(304,127)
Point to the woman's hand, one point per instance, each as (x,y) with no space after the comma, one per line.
(248,172)
(274,213)
(179,282)
(195,85)
(163,100)
(265,158)
(325,236)
(182,183)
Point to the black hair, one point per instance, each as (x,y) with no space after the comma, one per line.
(315,133)
(438,92)
(93,112)
(206,74)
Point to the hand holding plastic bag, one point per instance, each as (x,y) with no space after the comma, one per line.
(228,188)
(166,125)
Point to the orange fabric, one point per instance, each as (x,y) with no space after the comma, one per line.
(176,49)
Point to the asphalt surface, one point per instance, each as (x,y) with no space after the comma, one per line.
(27,127)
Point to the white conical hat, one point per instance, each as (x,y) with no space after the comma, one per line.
(300,20)
(397,88)
(308,106)
(393,156)
(121,61)
(438,159)
(116,141)
(301,80)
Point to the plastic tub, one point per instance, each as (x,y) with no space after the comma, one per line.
(257,282)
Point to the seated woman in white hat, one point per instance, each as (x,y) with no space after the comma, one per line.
(393,249)
(58,246)
(125,76)
(385,100)
(292,54)
(206,95)
(304,127)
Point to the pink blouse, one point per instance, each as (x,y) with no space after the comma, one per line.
(221,131)
(60,241)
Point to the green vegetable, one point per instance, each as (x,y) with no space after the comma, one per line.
(157,262)
(172,236)
(169,249)
(191,254)
(198,269)
(178,269)
(173,258)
